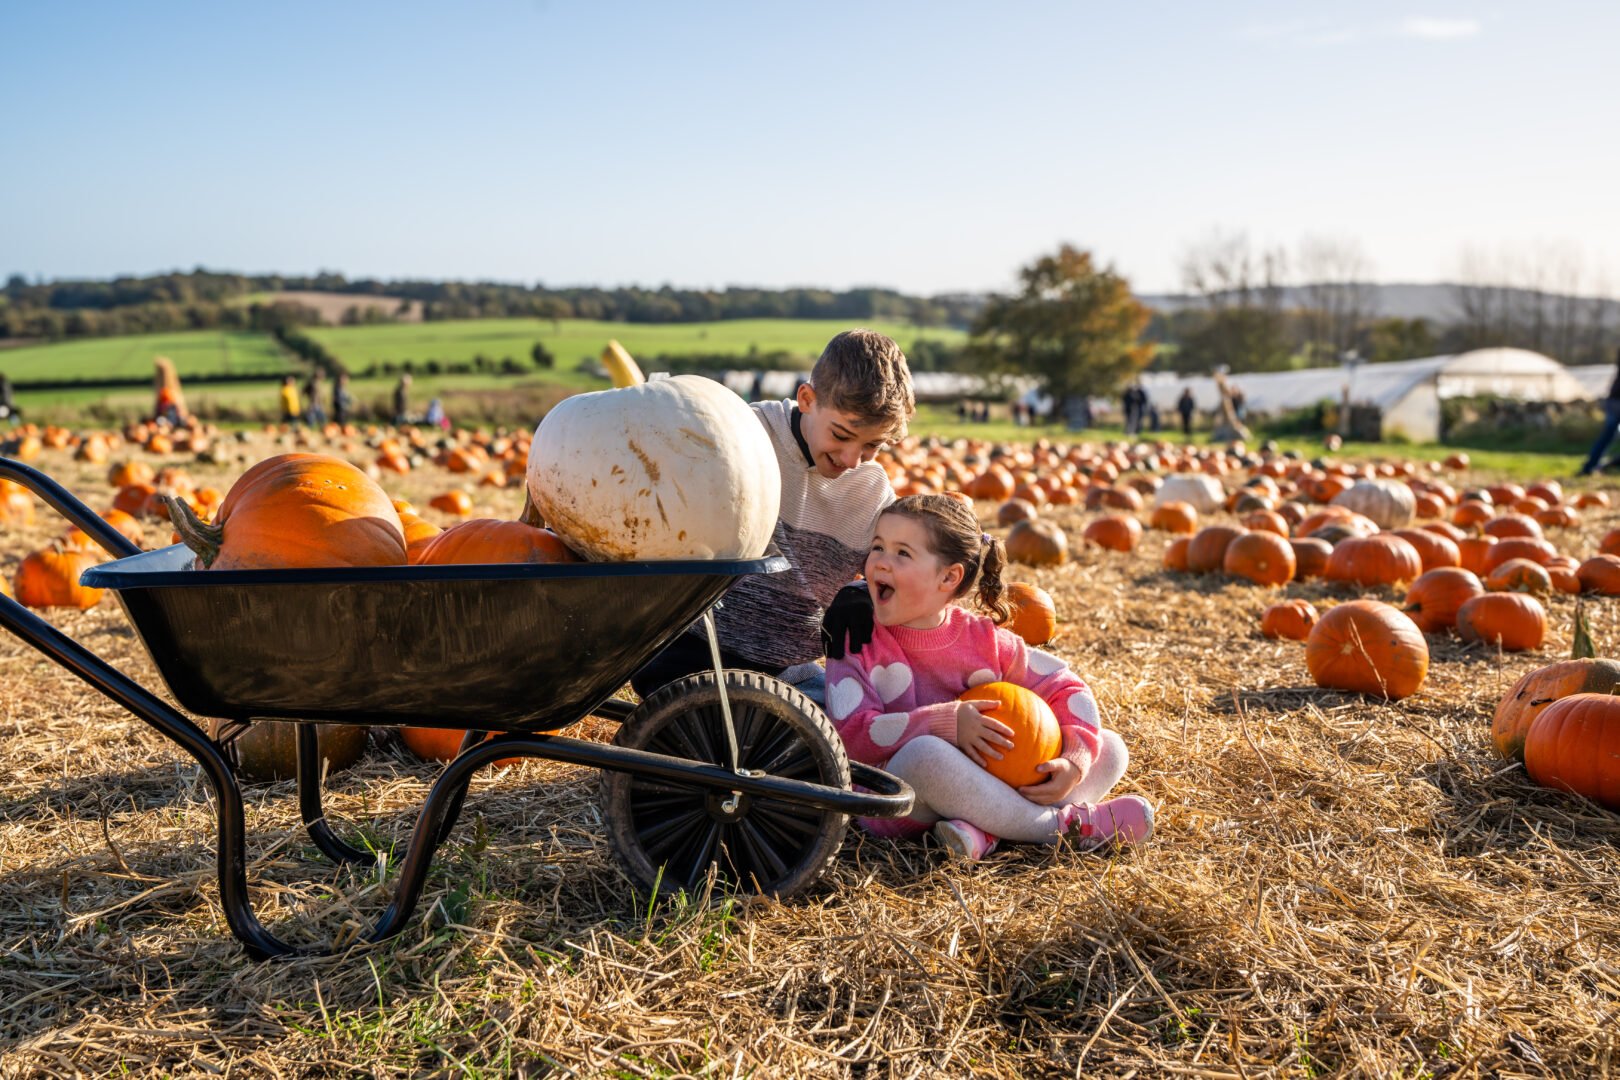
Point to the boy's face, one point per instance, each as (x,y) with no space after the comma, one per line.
(838,441)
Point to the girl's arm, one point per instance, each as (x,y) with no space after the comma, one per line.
(871,730)
(1071,700)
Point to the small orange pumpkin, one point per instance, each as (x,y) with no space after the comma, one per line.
(1436,596)
(453,502)
(1600,574)
(1574,746)
(1538,689)
(1175,517)
(1261,557)
(1036,737)
(1038,543)
(50,578)
(1519,575)
(1384,559)
(1291,619)
(1034,617)
(1114,532)
(1207,551)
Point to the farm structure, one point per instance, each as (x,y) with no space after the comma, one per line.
(1406,392)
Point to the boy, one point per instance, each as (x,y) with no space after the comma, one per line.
(826,438)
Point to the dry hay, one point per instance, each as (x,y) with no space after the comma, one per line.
(1339,887)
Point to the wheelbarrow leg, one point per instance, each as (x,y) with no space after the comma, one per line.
(232,828)
(458,797)
(309,803)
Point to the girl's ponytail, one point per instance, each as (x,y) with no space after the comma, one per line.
(990,587)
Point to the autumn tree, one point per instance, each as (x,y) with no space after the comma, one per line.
(1074,327)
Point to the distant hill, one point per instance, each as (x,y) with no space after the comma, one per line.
(1437,303)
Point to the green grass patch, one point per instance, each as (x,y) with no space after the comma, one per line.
(571,340)
(196,352)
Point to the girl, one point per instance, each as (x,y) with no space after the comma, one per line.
(895,702)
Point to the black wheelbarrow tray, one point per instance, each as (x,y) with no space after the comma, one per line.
(725,772)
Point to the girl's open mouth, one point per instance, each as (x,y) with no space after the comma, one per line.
(884,592)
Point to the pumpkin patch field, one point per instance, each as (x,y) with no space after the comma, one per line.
(1385,843)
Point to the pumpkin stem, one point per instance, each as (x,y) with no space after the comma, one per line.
(199,536)
(531,513)
(1583,648)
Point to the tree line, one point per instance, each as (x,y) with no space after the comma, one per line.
(205,300)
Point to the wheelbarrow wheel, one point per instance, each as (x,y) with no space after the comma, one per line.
(667,834)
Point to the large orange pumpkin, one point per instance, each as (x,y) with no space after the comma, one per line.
(1115,532)
(1538,689)
(50,578)
(1519,575)
(1434,551)
(1207,551)
(1383,559)
(1474,552)
(1175,517)
(1037,543)
(486,540)
(1261,557)
(1518,547)
(1368,648)
(1510,524)
(296,510)
(1514,621)
(1311,555)
(1600,574)
(1436,596)
(1574,745)
(1291,619)
(1036,737)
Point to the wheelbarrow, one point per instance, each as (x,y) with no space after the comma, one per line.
(726,772)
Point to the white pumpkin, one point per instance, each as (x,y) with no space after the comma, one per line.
(1203,493)
(671,469)
(1389,503)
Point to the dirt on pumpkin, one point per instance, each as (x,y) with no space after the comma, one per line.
(1338,886)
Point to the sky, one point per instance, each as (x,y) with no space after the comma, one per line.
(925,146)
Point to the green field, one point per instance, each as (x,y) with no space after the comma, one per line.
(572,340)
(197,352)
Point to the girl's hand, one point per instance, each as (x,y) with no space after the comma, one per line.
(1061,777)
(980,736)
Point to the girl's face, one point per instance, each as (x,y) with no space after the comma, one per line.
(909,584)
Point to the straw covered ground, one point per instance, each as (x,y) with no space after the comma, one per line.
(1338,887)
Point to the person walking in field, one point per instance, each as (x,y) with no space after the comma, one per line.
(169,403)
(8,407)
(342,400)
(1185,405)
(316,416)
(402,400)
(291,413)
(1611,425)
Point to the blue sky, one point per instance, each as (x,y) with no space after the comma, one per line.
(924,146)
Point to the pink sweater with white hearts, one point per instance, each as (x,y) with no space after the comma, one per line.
(905,683)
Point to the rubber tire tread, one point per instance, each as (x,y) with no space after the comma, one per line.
(758,690)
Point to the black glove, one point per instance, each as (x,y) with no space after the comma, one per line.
(849,615)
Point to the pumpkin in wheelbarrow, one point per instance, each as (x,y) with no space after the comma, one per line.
(296,510)
(676,468)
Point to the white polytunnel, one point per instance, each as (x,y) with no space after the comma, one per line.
(1407,392)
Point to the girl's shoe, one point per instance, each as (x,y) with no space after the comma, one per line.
(964,840)
(1121,822)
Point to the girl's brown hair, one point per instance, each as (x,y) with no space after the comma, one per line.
(955,537)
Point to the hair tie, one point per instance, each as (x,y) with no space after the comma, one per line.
(984,539)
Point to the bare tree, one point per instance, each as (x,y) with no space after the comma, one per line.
(1334,275)
(1243,324)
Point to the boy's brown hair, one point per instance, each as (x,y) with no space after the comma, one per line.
(954,537)
(864,373)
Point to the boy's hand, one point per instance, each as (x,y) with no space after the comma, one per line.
(980,736)
(1061,777)
(849,614)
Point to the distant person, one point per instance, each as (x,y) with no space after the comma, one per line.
(1132,403)
(170,403)
(1185,405)
(342,400)
(1239,402)
(961,410)
(758,391)
(1611,425)
(436,416)
(1155,421)
(290,411)
(402,400)
(316,414)
(8,407)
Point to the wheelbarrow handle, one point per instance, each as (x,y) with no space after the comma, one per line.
(65,503)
